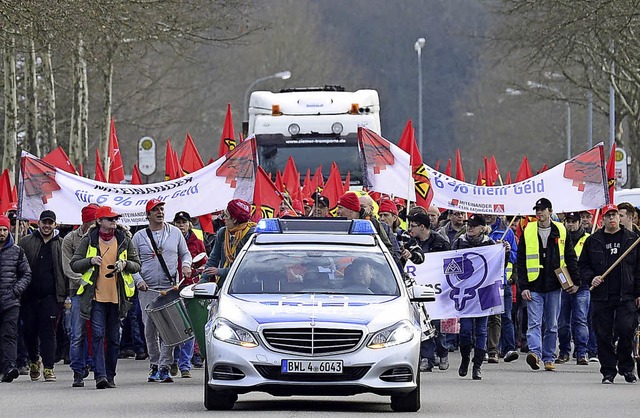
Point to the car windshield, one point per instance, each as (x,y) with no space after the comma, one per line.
(331,272)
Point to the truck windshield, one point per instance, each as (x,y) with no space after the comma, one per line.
(310,152)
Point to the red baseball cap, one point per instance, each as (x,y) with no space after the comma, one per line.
(153,203)
(106,212)
(609,208)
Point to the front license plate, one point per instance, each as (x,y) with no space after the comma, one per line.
(315,366)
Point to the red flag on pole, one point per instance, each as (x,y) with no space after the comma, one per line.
(99,176)
(611,172)
(279,183)
(190,160)
(524,172)
(317,182)
(307,189)
(58,158)
(291,180)
(266,197)
(447,169)
(480,180)
(347,182)
(437,167)
(5,191)
(488,179)
(172,168)
(543,169)
(80,170)
(333,188)
(495,171)
(228,139)
(116,170)
(136,178)
(424,191)
(459,170)
(508,180)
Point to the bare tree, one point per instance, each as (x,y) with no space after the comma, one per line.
(10,108)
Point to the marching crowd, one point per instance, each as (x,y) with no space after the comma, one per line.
(89,285)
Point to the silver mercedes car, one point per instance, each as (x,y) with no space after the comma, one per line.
(313,307)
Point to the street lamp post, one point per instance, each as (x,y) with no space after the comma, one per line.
(534,85)
(282,75)
(418,47)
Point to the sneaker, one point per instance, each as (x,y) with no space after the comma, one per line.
(511,356)
(49,376)
(142,356)
(186,374)
(493,358)
(164,376)
(629,377)
(533,361)
(444,363)
(34,370)
(197,361)
(102,383)
(24,370)
(78,380)
(562,358)
(111,384)
(607,380)
(174,369)
(127,354)
(425,366)
(486,357)
(154,374)
(87,369)
(10,375)
(593,358)
(582,361)
(549,366)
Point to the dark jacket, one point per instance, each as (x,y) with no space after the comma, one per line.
(217,257)
(593,262)
(434,243)
(80,264)
(15,274)
(547,280)
(462,242)
(31,245)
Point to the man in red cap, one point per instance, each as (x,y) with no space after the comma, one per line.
(106,258)
(349,206)
(229,240)
(15,276)
(77,335)
(162,249)
(614,298)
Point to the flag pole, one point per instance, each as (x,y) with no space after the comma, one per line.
(624,254)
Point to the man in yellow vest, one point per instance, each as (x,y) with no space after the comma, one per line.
(106,258)
(544,246)
(574,309)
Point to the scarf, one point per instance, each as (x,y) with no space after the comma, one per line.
(232,237)
(106,236)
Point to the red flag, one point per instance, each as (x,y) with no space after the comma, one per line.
(291,180)
(495,171)
(228,139)
(14,193)
(524,172)
(459,170)
(80,170)
(99,171)
(508,180)
(307,189)
(543,169)
(487,169)
(447,169)
(190,160)
(424,191)
(611,172)
(266,197)
(172,168)
(480,180)
(333,188)
(347,182)
(116,170)
(437,167)
(59,159)
(279,183)
(317,182)
(5,191)
(136,178)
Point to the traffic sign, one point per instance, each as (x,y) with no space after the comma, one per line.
(147,155)
(621,168)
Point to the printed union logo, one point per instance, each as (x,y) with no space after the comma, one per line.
(498,208)
(454,202)
(453,267)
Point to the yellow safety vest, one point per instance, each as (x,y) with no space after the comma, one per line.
(198,233)
(580,245)
(508,271)
(129,285)
(532,250)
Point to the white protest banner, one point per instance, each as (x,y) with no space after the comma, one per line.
(207,190)
(387,167)
(468,282)
(574,185)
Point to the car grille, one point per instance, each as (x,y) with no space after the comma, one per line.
(399,374)
(225,372)
(349,373)
(313,341)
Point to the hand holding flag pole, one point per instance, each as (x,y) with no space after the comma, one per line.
(624,254)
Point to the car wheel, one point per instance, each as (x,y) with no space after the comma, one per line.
(407,402)
(215,400)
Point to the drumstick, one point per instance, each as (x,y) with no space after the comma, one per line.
(624,254)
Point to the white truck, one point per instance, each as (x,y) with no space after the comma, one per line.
(315,125)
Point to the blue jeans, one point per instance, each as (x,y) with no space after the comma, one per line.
(183,352)
(508,334)
(131,337)
(77,337)
(436,345)
(105,323)
(469,335)
(574,313)
(543,309)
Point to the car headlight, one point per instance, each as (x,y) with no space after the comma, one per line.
(228,332)
(399,333)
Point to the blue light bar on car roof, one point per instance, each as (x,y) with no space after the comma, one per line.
(362,227)
(268,226)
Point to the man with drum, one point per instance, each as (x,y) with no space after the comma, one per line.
(106,258)
(162,248)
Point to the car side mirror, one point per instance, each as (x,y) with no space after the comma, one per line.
(420,293)
(205,290)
